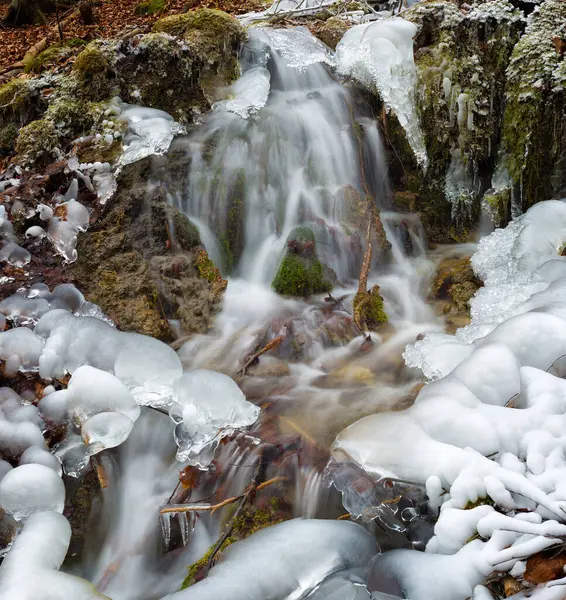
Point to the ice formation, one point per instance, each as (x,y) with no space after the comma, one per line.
(149,131)
(284,561)
(249,93)
(29,489)
(489,431)
(207,406)
(298,47)
(379,56)
(30,569)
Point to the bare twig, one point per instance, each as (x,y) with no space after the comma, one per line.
(274,343)
(214,507)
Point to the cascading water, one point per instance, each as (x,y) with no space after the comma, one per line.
(253,173)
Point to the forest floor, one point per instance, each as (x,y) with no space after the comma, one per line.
(112,17)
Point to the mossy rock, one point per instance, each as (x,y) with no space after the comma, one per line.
(73,114)
(161,72)
(94,73)
(461,60)
(533,125)
(185,233)
(37,142)
(301,273)
(48,58)
(368,308)
(213,36)
(298,276)
(150,7)
(456,282)
(332,31)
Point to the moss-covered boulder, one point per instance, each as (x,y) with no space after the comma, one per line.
(461,56)
(150,7)
(93,69)
(534,135)
(139,271)
(160,71)
(19,104)
(368,308)
(213,37)
(455,283)
(37,143)
(301,273)
(331,31)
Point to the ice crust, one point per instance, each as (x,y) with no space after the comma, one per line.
(489,429)
(249,93)
(206,407)
(379,56)
(287,560)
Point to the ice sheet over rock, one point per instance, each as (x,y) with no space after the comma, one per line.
(207,406)
(71,342)
(30,569)
(248,94)
(287,560)
(29,489)
(379,56)
(149,131)
(298,47)
(105,430)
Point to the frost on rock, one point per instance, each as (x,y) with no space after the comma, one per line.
(298,47)
(248,94)
(486,438)
(207,406)
(149,131)
(30,570)
(379,56)
(287,560)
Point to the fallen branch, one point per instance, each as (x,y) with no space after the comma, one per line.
(274,343)
(214,507)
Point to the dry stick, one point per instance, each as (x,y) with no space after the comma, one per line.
(269,346)
(247,496)
(214,507)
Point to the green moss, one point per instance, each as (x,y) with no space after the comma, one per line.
(93,71)
(206,269)
(497,204)
(47,58)
(94,153)
(150,7)
(533,119)
(298,276)
(37,142)
(201,564)
(186,233)
(212,34)
(14,95)
(368,308)
(71,113)
(8,135)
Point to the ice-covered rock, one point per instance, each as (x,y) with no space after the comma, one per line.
(249,94)
(30,570)
(14,255)
(105,430)
(149,131)
(39,456)
(298,47)
(486,437)
(287,560)
(379,56)
(29,489)
(206,407)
